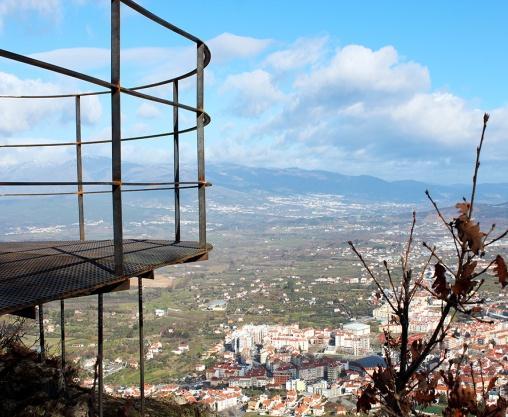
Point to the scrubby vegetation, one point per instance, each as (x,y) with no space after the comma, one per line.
(33,386)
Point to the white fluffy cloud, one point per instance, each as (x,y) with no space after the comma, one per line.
(19,115)
(358,110)
(148,111)
(356,69)
(81,59)
(49,8)
(12,160)
(152,64)
(309,103)
(224,47)
(228,46)
(437,117)
(304,51)
(253,92)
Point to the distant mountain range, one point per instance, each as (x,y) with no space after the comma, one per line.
(236,181)
(362,187)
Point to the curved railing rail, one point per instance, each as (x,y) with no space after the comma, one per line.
(115,89)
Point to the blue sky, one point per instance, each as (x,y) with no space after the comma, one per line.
(393,89)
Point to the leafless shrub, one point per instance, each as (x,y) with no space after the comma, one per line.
(405,384)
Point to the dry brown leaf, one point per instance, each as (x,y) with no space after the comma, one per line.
(390,340)
(463,286)
(366,399)
(463,207)
(469,268)
(439,285)
(416,348)
(470,232)
(492,383)
(500,270)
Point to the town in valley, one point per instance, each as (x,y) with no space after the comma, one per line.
(282,320)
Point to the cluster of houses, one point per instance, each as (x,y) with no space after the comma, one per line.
(292,404)
(303,363)
(267,344)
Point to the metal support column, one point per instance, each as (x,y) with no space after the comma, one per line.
(81,215)
(116,148)
(176,161)
(100,352)
(42,343)
(62,332)
(200,122)
(141,347)
(79,170)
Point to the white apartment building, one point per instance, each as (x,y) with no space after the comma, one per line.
(354,338)
(296,342)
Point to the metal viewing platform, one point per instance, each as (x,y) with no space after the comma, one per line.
(38,272)
(34,273)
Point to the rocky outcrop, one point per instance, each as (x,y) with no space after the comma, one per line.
(33,387)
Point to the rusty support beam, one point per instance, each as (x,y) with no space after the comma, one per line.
(116,287)
(27,312)
(100,353)
(141,347)
(42,344)
(62,333)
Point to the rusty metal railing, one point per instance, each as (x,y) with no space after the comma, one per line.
(114,88)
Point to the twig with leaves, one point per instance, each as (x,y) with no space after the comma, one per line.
(405,384)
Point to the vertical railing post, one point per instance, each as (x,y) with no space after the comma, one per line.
(116,148)
(81,214)
(42,342)
(176,161)
(100,352)
(62,333)
(79,170)
(141,347)
(200,122)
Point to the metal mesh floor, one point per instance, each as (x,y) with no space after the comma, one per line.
(38,272)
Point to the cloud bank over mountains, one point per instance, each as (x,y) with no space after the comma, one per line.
(356,110)
(310,103)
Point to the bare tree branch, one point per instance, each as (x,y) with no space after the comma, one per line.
(501,236)
(391,283)
(477,164)
(456,240)
(383,293)
(409,242)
